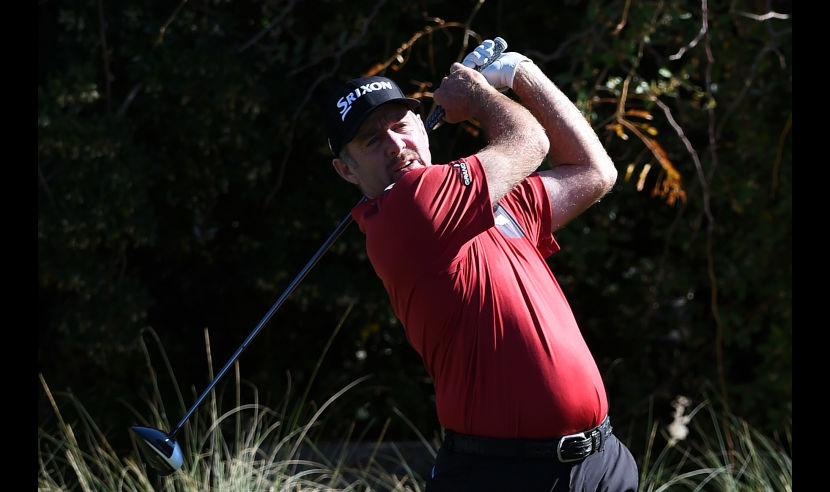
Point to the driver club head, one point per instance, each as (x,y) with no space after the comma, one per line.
(163,453)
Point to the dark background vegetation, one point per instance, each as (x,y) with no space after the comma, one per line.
(184,181)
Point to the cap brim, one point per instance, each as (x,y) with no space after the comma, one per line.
(411,103)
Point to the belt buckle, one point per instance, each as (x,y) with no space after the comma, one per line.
(579,435)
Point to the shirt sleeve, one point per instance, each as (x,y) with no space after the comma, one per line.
(529,204)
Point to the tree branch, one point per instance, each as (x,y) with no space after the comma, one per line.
(105,52)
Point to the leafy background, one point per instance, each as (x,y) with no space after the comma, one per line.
(184,181)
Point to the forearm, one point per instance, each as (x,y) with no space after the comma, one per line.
(582,172)
(516,142)
(572,140)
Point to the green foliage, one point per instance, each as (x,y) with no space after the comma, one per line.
(184,180)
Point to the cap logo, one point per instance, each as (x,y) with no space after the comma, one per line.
(345,102)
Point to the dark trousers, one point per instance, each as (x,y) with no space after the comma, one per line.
(611,470)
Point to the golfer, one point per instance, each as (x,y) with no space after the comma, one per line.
(461,249)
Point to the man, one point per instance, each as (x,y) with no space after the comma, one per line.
(461,251)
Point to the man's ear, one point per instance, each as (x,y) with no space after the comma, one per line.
(344,170)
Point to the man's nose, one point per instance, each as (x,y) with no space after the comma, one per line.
(394,143)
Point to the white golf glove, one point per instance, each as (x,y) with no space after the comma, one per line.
(500,73)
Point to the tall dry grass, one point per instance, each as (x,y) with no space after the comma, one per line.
(254,447)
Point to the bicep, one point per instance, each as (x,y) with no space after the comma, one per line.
(571,189)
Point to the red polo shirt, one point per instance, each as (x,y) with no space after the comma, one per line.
(480,305)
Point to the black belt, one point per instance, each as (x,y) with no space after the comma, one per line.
(566,449)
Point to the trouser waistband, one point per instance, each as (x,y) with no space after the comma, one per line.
(566,449)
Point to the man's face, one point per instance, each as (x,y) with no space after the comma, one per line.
(391,142)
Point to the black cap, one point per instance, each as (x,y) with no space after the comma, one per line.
(354,101)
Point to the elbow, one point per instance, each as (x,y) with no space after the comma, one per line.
(609,174)
(540,144)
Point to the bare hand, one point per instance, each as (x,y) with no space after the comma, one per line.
(462,93)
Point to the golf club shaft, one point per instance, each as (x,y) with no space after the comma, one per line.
(313,261)
(500,46)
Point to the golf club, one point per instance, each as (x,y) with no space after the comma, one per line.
(160,449)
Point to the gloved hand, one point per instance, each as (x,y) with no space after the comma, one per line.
(500,73)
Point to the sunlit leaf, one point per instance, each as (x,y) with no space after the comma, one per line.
(618,129)
(629,170)
(643,173)
(639,113)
